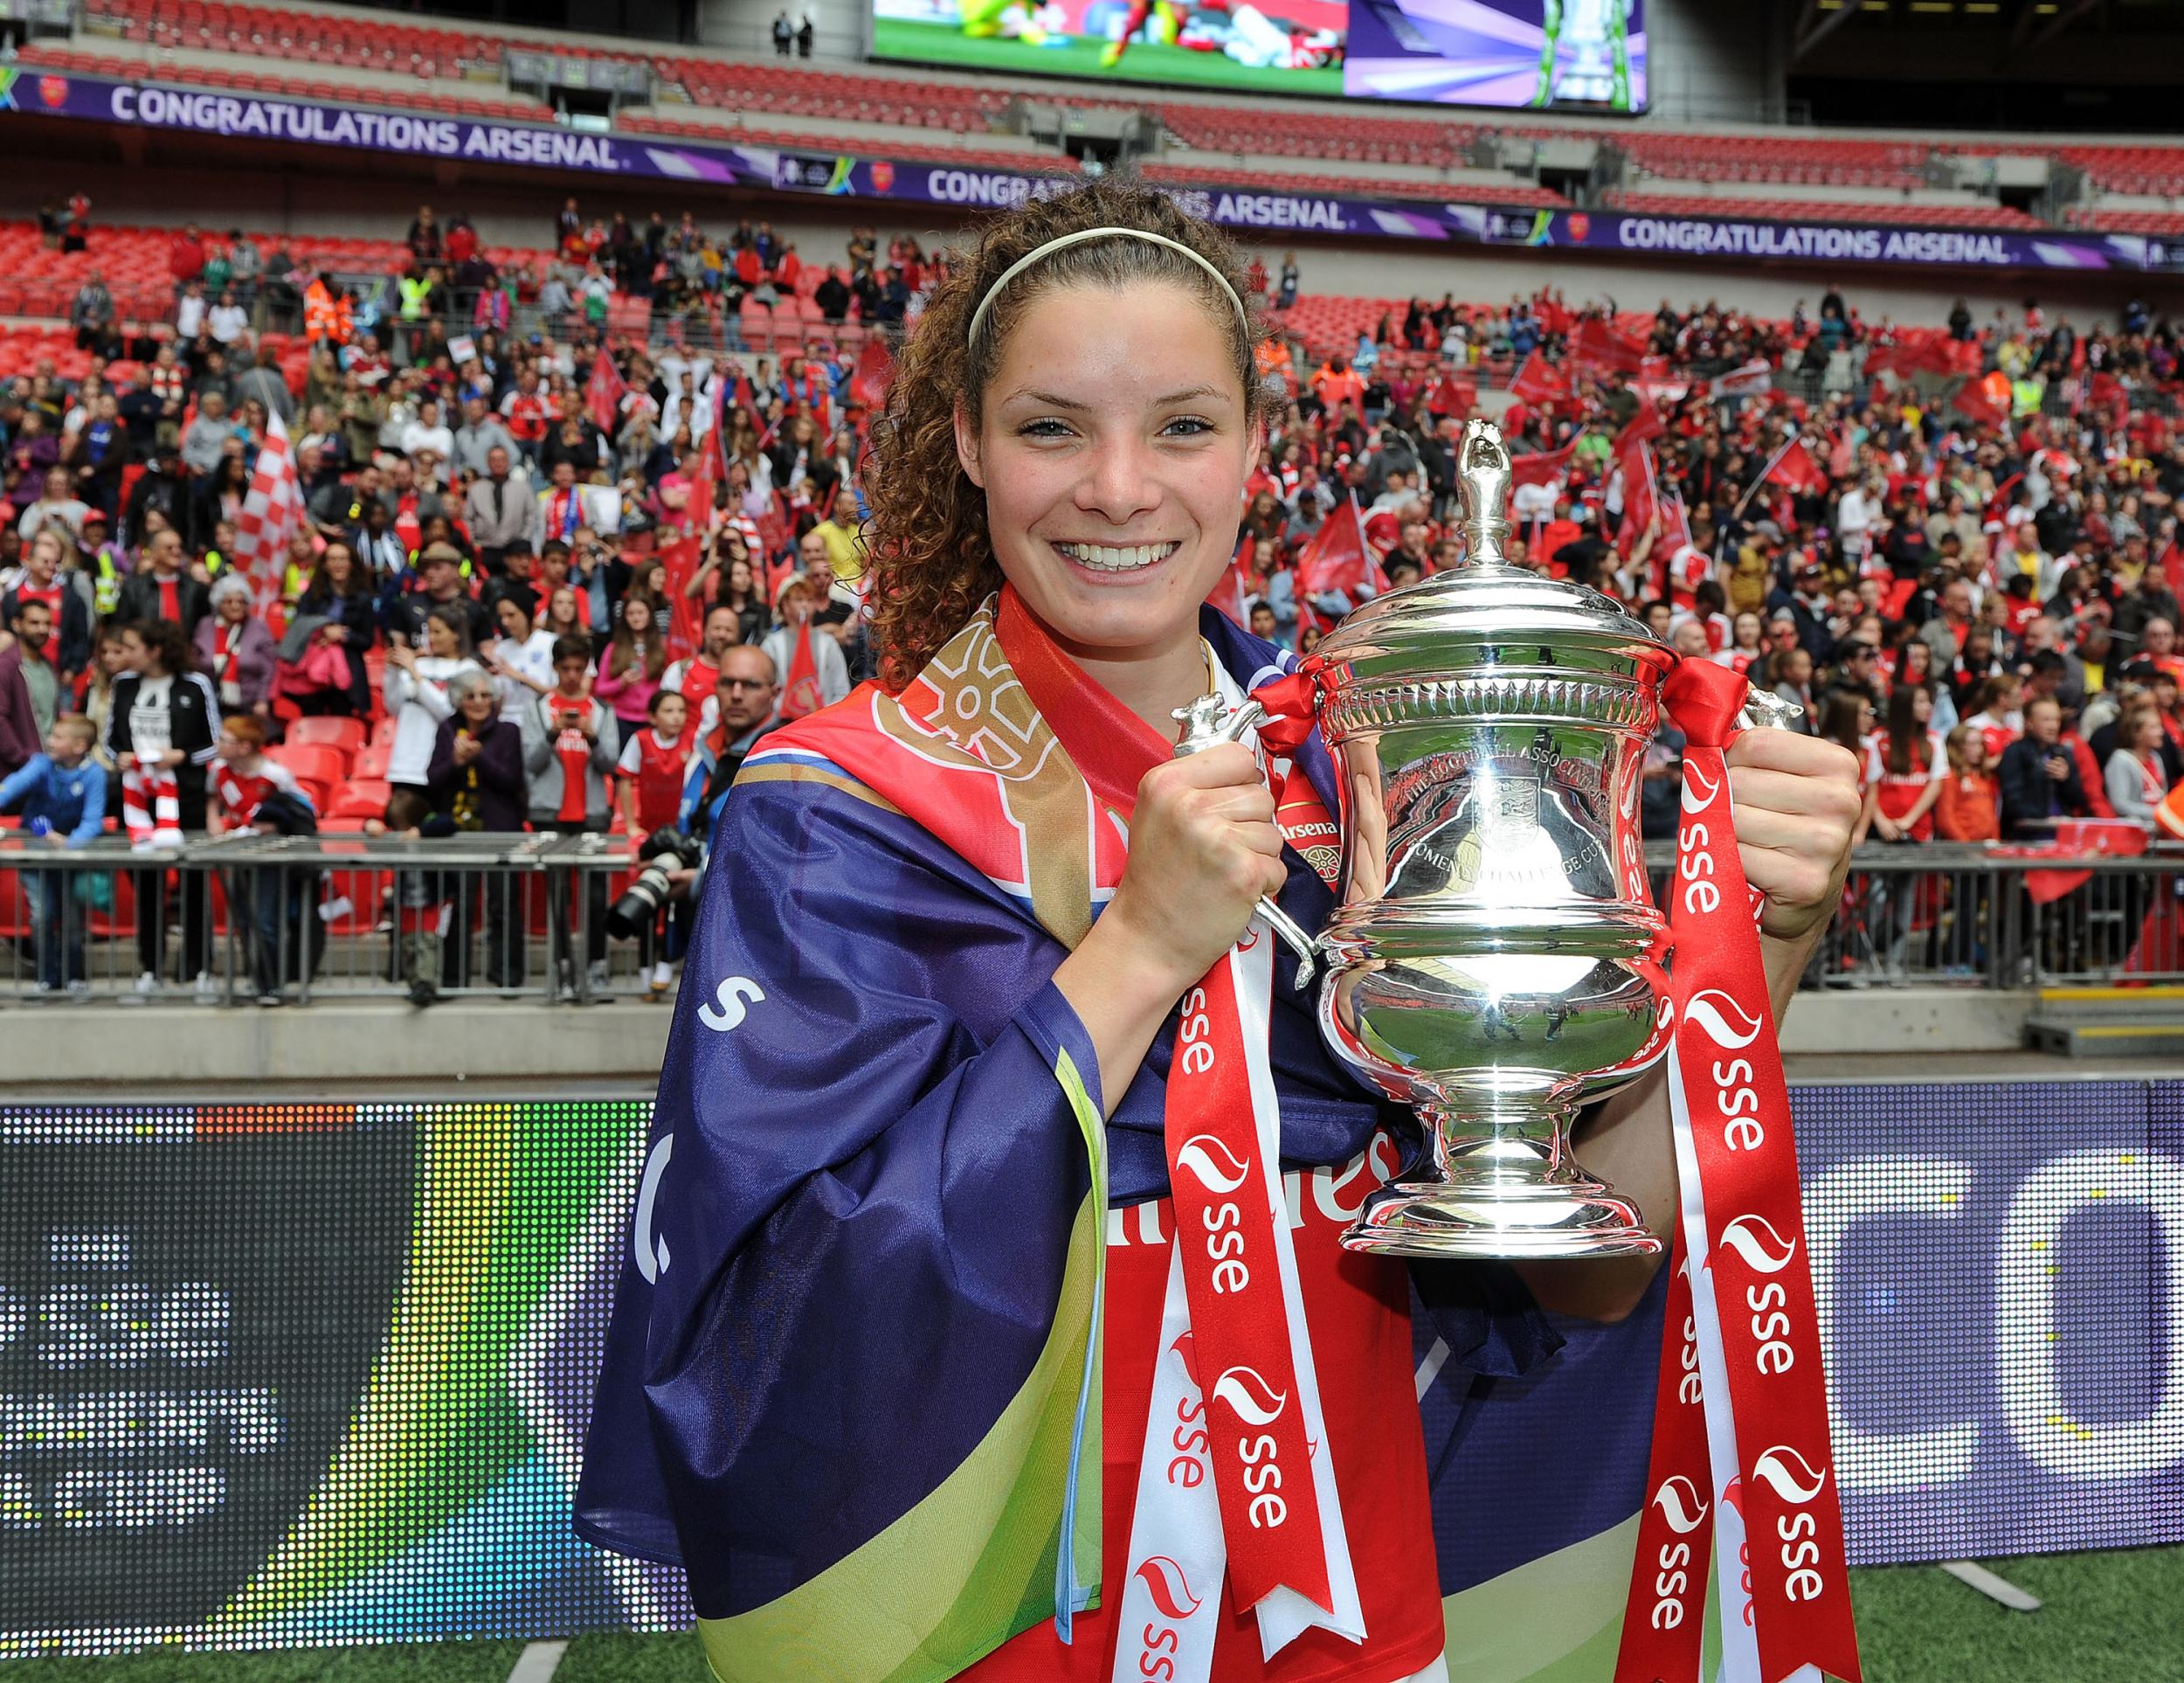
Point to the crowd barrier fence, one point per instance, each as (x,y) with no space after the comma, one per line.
(523,915)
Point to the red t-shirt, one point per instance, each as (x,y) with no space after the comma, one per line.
(659,772)
(574,748)
(1359,1309)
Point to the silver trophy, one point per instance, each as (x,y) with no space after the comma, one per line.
(1495,959)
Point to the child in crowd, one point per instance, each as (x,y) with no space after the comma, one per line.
(655,760)
(64,796)
(253,793)
(570,746)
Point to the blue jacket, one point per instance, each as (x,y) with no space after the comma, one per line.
(73,801)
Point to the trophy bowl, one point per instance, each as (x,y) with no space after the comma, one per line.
(1495,959)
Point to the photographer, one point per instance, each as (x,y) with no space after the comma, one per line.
(741,712)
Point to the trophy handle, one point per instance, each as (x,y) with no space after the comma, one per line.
(1205,723)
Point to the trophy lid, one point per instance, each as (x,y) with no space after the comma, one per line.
(1485,617)
(1489,604)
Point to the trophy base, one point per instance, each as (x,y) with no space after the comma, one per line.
(1540,1222)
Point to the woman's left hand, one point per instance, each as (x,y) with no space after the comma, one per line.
(1797,800)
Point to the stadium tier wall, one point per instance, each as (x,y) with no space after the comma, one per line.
(298,195)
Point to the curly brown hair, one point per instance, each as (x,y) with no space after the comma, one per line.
(931,557)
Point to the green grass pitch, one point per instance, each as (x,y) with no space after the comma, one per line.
(943,44)
(2109,1616)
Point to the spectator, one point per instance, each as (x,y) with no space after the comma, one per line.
(59,507)
(630,671)
(1905,769)
(804,35)
(257,794)
(1969,808)
(501,508)
(415,686)
(842,532)
(440,586)
(161,734)
(92,313)
(2039,779)
(30,686)
(783,35)
(160,589)
(570,747)
(69,598)
(206,439)
(475,782)
(816,674)
(2136,775)
(235,650)
(340,596)
(522,662)
(654,763)
(63,793)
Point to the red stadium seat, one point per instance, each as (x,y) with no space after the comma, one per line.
(345,735)
(310,762)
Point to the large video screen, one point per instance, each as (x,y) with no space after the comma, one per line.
(1540,55)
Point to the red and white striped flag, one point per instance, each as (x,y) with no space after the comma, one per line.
(273,511)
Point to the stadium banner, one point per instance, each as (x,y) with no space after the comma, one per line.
(1568,55)
(279,1374)
(170,106)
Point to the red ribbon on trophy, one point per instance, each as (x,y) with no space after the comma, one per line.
(1239,1321)
(1741,1408)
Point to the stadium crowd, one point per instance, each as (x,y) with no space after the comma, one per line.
(567,582)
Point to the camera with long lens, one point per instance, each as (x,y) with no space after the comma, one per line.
(664,850)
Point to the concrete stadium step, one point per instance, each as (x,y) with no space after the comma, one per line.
(2108,1022)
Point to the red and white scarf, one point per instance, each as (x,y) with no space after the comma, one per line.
(1271,1518)
(151,806)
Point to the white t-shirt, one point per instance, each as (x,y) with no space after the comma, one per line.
(534,658)
(189,316)
(151,718)
(418,436)
(229,323)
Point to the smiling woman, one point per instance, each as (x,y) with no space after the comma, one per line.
(883,1371)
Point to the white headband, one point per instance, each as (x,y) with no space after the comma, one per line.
(1079,238)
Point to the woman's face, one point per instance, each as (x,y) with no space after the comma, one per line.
(477,703)
(739,574)
(561,608)
(113,655)
(514,621)
(439,640)
(1113,454)
(335,564)
(1747,631)
(636,614)
(235,607)
(1922,706)
(135,657)
(1974,752)
(2149,733)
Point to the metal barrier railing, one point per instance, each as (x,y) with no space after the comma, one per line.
(1963,915)
(235,919)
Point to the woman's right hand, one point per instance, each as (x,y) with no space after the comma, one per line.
(1203,848)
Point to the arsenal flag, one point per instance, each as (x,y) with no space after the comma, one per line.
(1975,406)
(1596,342)
(603,393)
(876,369)
(1542,466)
(1540,381)
(1338,558)
(1794,469)
(1453,397)
(1232,591)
